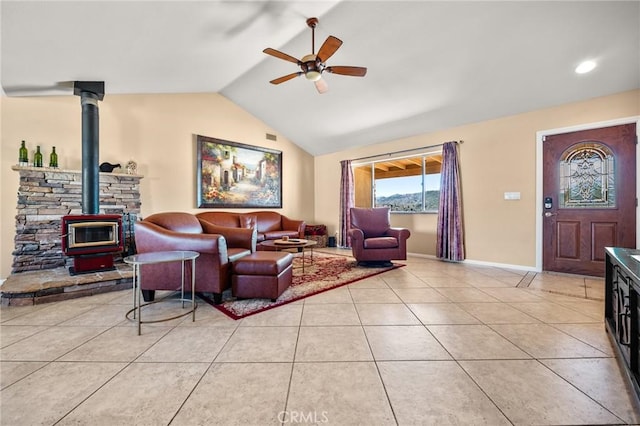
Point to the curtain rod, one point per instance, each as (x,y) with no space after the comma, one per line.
(403,151)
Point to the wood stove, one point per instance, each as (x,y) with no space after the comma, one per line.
(91,240)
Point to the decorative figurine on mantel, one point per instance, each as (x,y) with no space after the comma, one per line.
(132,167)
(108,167)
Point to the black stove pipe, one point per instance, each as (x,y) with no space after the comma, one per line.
(90,93)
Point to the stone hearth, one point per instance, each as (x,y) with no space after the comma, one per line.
(52,285)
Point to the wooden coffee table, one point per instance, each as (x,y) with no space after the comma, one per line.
(293,243)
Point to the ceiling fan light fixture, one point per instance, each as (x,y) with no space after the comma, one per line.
(313,75)
(585,67)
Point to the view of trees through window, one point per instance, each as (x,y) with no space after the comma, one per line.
(403,184)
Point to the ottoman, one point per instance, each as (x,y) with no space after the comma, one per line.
(263,274)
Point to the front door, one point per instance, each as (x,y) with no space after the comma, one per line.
(589,190)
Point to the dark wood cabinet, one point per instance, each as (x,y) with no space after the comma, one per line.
(621,310)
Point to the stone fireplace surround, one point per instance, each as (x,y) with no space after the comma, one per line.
(39,265)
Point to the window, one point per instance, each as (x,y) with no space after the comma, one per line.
(405,185)
(587,177)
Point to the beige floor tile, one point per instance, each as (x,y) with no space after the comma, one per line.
(441,313)
(207,316)
(118,344)
(373,295)
(47,395)
(188,344)
(552,313)
(286,315)
(238,394)
(436,393)
(544,341)
(403,280)
(487,282)
(475,342)
(10,334)
(497,313)
(260,344)
(105,315)
(403,343)
(340,343)
(53,314)
(143,393)
(513,294)
(12,371)
(336,295)
(349,393)
(594,309)
(370,283)
(11,312)
(446,282)
(528,393)
(386,314)
(601,380)
(330,314)
(460,295)
(49,345)
(593,334)
(420,295)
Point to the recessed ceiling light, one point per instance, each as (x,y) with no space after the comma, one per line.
(585,67)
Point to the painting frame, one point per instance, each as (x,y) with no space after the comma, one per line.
(237,175)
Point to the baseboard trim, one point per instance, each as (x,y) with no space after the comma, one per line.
(482,263)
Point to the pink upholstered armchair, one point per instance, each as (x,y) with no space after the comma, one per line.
(373,240)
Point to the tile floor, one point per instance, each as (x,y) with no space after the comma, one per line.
(429,343)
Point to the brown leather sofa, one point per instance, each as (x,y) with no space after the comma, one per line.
(218,246)
(269,225)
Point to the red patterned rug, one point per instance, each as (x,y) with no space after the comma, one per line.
(325,273)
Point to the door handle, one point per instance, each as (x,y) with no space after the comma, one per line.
(549,214)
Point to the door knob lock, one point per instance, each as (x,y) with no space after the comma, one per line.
(549,214)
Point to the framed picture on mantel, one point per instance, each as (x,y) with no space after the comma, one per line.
(235,175)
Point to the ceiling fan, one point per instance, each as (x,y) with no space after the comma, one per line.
(313,65)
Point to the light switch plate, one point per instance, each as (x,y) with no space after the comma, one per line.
(511,195)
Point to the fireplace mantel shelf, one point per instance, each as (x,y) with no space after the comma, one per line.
(58,170)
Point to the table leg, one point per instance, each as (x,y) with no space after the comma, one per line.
(138,296)
(193,290)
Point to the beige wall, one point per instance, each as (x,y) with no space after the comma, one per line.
(157,131)
(497,156)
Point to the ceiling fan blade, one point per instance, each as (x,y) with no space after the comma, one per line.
(322,86)
(286,78)
(352,71)
(279,54)
(328,48)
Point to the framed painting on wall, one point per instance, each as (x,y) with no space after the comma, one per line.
(235,175)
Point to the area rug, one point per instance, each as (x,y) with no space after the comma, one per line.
(326,272)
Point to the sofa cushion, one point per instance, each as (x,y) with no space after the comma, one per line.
(237,253)
(380,243)
(268,221)
(185,223)
(248,220)
(221,218)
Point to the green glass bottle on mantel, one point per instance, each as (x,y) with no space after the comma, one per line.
(23,155)
(53,158)
(37,158)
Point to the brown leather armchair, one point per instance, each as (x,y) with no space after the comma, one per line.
(218,246)
(373,240)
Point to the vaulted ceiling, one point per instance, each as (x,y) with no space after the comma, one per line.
(431,65)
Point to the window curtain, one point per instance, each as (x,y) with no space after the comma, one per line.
(450,231)
(347,200)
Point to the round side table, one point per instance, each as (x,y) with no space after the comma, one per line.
(137,260)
